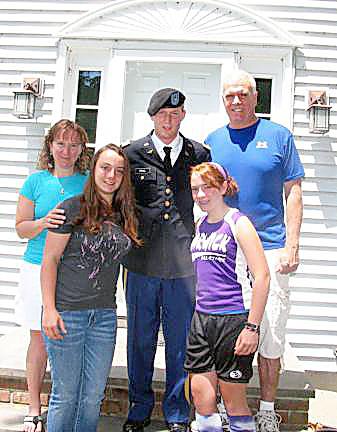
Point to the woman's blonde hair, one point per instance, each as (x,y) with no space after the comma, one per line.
(45,159)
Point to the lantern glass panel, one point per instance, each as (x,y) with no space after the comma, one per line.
(24,104)
(321,117)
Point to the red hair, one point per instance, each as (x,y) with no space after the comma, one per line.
(216,177)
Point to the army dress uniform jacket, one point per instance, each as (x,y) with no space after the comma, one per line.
(165,209)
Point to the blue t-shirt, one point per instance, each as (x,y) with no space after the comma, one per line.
(261,158)
(46,191)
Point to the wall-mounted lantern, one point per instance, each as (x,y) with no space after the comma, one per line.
(25,99)
(319,112)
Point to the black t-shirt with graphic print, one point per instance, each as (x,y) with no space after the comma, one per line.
(88,269)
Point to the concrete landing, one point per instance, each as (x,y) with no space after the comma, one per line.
(11,418)
(13,348)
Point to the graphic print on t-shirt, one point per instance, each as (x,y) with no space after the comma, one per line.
(89,267)
(215,244)
(101,250)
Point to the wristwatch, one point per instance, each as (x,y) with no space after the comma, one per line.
(252,327)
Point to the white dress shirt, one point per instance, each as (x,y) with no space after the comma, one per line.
(176,146)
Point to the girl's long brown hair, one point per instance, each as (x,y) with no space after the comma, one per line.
(95,210)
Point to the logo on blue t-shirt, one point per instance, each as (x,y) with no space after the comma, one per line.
(262,144)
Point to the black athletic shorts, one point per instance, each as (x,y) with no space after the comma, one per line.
(211,344)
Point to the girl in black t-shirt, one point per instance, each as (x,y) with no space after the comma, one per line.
(78,278)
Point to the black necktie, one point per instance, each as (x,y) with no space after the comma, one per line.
(167,158)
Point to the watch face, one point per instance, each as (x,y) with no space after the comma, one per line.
(252,327)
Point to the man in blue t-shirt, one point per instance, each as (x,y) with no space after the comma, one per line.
(262,158)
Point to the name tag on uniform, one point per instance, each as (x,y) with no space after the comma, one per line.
(146,173)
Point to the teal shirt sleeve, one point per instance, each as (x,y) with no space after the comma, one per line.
(29,187)
(45,192)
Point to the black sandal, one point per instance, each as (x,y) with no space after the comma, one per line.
(36,420)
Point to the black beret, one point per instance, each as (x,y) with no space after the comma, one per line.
(165,98)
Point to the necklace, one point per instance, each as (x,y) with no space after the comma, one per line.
(62,190)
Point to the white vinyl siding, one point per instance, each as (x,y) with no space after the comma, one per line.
(27,48)
(312,327)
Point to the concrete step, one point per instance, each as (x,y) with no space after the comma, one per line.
(291,404)
(292,400)
(11,419)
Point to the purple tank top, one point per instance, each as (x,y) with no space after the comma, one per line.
(223,279)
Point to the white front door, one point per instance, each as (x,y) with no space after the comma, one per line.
(199,82)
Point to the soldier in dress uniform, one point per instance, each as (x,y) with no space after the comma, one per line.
(160,282)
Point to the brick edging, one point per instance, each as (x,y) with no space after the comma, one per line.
(292,405)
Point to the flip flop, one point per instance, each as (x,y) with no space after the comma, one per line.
(36,420)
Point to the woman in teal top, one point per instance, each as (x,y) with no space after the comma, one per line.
(62,164)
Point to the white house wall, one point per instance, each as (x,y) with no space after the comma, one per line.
(28,48)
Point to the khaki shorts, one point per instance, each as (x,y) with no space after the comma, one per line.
(273,326)
(28,301)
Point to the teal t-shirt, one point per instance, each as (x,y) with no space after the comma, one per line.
(46,191)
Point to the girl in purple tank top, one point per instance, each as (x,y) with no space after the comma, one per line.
(232,289)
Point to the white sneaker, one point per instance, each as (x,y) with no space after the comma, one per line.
(267,421)
(225,425)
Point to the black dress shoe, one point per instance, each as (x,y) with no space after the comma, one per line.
(177,427)
(135,425)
